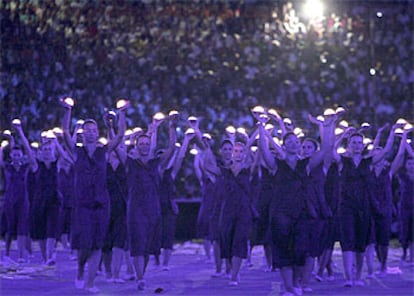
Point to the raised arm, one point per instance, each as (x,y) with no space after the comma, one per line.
(69,140)
(26,147)
(390,141)
(116,140)
(399,158)
(181,154)
(264,148)
(327,129)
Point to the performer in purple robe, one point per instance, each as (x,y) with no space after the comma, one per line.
(91,202)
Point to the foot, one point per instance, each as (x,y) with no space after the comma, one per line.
(330,278)
(130,277)
(359,283)
(370,276)
(118,281)
(165,268)
(319,278)
(298,291)
(348,284)
(307,289)
(92,290)
(141,285)
(79,284)
(21,260)
(50,262)
(217,275)
(233,283)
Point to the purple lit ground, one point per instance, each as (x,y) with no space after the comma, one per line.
(190,275)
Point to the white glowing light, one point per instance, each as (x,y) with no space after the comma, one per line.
(341,150)
(4,143)
(408,126)
(339,110)
(399,131)
(253,148)
(128,132)
(69,101)
(194,151)
(43,134)
(313,9)
(16,121)
(137,129)
(80,122)
(178,145)
(372,71)
(207,136)
(230,129)
(34,145)
(273,112)
(287,121)
(79,131)
(277,141)
(103,141)
(338,131)
(128,142)
(379,14)
(189,131)
(401,121)
(370,147)
(192,118)
(173,113)
(258,109)
(269,127)
(242,130)
(329,112)
(57,131)
(367,141)
(320,118)
(365,125)
(297,130)
(50,134)
(121,103)
(7,132)
(159,116)
(344,123)
(79,144)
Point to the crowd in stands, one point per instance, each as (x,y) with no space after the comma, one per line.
(212,59)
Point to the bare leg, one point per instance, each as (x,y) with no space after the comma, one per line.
(369,255)
(82,259)
(359,263)
(107,262)
(166,257)
(348,260)
(93,265)
(268,255)
(307,271)
(42,245)
(217,256)
(207,248)
(287,277)
(235,264)
(117,255)
(50,250)
(21,246)
(139,266)
(324,261)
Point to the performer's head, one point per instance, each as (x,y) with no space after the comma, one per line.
(226,150)
(291,143)
(143,144)
(356,143)
(309,146)
(90,131)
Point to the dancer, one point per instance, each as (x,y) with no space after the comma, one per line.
(91,204)
(16,202)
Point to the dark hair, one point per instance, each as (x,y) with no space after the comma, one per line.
(356,134)
(287,135)
(313,141)
(16,147)
(226,141)
(89,120)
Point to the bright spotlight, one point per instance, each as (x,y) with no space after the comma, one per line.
(379,14)
(313,8)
